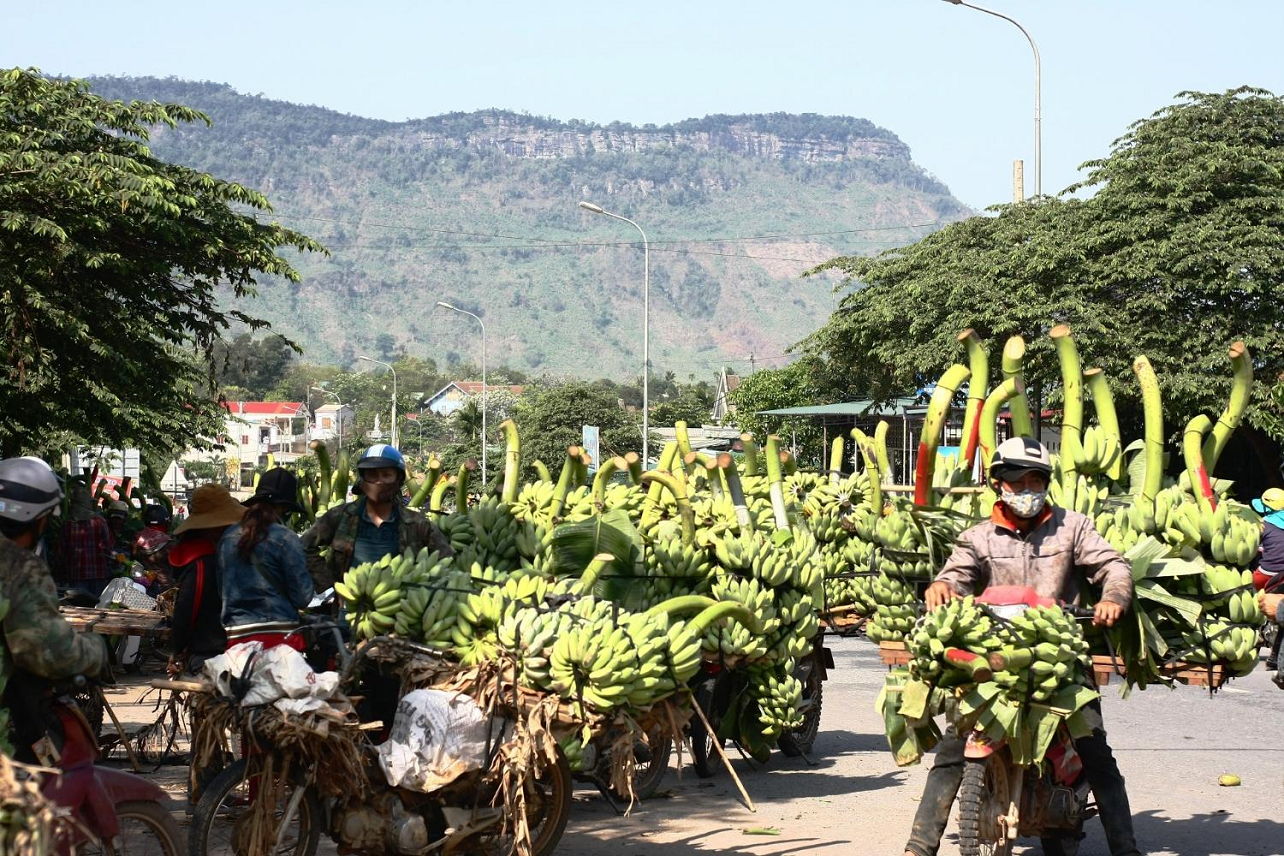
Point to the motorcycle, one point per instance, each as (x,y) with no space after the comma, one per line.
(115,812)
(1000,800)
(1271,638)
(717,688)
(455,819)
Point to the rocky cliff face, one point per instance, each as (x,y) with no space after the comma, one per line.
(515,138)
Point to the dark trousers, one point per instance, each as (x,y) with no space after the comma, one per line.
(1098,763)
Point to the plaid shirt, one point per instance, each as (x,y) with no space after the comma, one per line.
(83,548)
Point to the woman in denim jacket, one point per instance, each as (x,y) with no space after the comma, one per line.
(263,573)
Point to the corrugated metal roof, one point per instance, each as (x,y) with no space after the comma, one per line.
(848,408)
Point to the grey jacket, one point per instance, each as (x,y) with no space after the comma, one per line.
(1053,559)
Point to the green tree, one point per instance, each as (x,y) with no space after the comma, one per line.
(254,365)
(1177,252)
(771,389)
(551,418)
(110,271)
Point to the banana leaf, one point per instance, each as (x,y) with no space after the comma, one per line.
(1186,608)
(1151,558)
(576,544)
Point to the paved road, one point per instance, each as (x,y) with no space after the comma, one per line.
(1171,745)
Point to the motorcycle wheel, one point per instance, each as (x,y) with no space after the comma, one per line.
(145,828)
(1066,845)
(983,798)
(648,775)
(801,740)
(548,810)
(219,823)
(704,757)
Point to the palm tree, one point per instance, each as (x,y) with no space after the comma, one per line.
(468,419)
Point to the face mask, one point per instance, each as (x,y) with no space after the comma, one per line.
(380,492)
(1025,503)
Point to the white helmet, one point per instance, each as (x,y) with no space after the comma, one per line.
(1018,455)
(28,489)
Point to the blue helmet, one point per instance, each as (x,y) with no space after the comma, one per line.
(382,455)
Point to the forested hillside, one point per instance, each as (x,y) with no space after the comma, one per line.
(480,209)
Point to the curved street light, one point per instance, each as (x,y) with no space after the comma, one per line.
(394,394)
(646,323)
(485,437)
(1038,132)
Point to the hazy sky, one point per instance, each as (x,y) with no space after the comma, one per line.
(955,84)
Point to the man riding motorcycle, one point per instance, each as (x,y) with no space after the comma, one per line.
(369,528)
(42,647)
(1055,552)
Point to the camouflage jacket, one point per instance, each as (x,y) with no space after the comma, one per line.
(36,638)
(337,529)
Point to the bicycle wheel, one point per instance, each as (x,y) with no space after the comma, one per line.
(983,799)
(221,822)
(800,740)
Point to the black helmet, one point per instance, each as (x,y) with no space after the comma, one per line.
(156,515)
(278,486)
(1019,455)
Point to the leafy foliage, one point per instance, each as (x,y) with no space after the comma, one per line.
(771,389)
(551,418)
(109,266)
(1178,253)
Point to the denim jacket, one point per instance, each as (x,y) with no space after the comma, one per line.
(273,586)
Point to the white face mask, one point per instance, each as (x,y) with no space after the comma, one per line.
(1024,503)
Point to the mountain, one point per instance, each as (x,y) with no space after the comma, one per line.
(480,209)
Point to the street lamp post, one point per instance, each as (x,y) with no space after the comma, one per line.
(337,401)
(1038,121)
(646,324)
(485,399)
(394,394)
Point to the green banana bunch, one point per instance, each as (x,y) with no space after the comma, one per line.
(1097,451)
(1232,644)
(778,695)
(457,528)
(1059,653)
(529,634)
(595,663)
(960,623)
(535,503)
(372,593)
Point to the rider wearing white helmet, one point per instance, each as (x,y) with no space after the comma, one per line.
(1054,551)
(42,646)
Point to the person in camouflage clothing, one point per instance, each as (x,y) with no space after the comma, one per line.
(39,645)
(371,527)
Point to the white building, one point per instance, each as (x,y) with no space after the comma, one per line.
(334,422)
(255,429)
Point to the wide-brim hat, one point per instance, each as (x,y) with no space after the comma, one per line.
(1272,500)
(212,507)
(278,486)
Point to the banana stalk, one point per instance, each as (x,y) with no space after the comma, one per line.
(603,478)
(979,364)
(775,481)
(438,495)
(563,486)
(673,486)
(726,609)
(634,463)
(588,579)
(701,464)
(466,470)
(880,449)
(325,471)
(1104,404)
(512,460)
(678,605)
(342,476)
(788,464)
(663,465)
(869,452)
(1192,447)
(1013,357)
(1241,384)
(431,479)
(1153,410)
(1003,393)
(836,460)
(731,475)
(582,461)
(1071,408)
(937,411)
(541,471)
(683,437)
(751,454)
